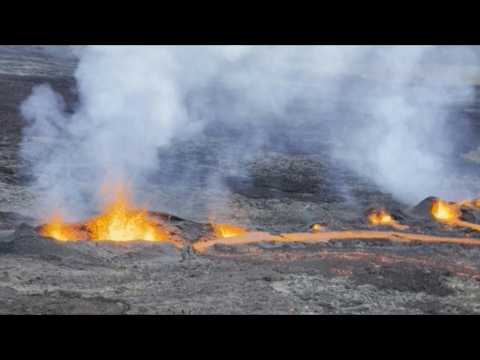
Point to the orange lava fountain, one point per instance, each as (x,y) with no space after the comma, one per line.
(445,212)
(449,213)
(382,217)
(121,221)
(118,221)
(58,229)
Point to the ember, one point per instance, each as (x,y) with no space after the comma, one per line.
(316,227)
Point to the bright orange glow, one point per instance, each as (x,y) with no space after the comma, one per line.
(118,221)
(326,236)
(382,217)
(227,230)
(58,229)
(444,212)
(316,228)
(449,213)
(379,217)
(121,221)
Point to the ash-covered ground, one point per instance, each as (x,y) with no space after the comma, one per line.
(286,185)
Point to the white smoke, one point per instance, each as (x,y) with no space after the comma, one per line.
(133,100)
(406,138)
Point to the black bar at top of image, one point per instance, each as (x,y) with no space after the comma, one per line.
(244,24)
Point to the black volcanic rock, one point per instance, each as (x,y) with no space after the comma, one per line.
(26,241)
(9,220)
(423,208)
(6,240)
(468,215)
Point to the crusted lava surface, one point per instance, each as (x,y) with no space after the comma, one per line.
(285,188)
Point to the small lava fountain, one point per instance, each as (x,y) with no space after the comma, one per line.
(445,212)
(382,217)
(56,227)
(449,213)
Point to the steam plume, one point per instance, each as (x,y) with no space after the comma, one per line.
(134,100)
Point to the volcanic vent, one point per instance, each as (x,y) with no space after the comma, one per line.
(119,220)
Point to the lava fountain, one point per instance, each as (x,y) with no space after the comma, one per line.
(449,214)
(445,212)
(382,217)
(119,220)
(56,227)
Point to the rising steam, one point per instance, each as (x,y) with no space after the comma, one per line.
(387,118)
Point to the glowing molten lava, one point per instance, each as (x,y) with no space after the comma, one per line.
(58,229)
(327,236)
(316,228)
(227,230)
(382,217)
(118,221)
(449,213)
(444,211)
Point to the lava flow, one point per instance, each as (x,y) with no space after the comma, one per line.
(327,236)
(382,217)
(441,211)
(449,214)
(118,221)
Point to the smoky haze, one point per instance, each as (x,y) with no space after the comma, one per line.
(385,110)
